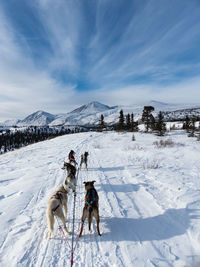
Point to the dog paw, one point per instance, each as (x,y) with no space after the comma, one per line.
(48,237)
(68,233)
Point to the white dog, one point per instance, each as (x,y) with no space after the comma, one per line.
(55,206)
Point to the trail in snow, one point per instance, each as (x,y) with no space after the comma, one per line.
(149,202)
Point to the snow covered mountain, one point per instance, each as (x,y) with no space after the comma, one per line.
(92,107)
(39,118)
(90,114)
(84,115)
(10,122)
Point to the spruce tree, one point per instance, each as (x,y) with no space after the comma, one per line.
(147,117)
(134,124)
(128,122)
(121,121)
(187,124)
(160,126)
(101,123)
(192,126)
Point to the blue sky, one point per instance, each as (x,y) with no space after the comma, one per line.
(58,55)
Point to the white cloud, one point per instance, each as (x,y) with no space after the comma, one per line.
(184,92)
(24,87)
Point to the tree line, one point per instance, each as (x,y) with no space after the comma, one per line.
(154,124)
(10,140)
(128,123)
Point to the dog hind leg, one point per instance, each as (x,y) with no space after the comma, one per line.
(96,216)
(50,222)
(83,219)
(89,218)
(62,218)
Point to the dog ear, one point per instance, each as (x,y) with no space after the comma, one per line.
(84,182)
(93,182)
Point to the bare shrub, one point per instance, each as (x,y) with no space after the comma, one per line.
(134,147)
(138,147)
(116,139)
(166,143)
(150,164)
(97,146)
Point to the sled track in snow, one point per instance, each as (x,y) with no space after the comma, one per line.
(80,148)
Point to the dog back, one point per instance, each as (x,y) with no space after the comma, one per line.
(91,198)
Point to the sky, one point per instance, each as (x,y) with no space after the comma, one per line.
(58,55)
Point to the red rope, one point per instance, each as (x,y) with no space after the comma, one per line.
(78,236)
(60,227)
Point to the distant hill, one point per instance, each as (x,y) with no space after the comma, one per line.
(38,118)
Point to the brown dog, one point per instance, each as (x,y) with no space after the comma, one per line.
(91,208)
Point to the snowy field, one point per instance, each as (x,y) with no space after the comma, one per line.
(149,202)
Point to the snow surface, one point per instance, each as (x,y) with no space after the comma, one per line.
(149,202)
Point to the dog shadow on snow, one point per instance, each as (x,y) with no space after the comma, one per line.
(109,169)
(173,222)
(125,188)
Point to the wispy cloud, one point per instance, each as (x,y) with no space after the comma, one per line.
(56,55)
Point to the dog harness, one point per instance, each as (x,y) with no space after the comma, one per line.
(90,195)
(58,196)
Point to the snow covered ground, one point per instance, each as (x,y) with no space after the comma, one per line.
(149,202)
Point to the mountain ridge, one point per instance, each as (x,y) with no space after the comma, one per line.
(89,114)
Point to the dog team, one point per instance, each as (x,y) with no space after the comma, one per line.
(57,204)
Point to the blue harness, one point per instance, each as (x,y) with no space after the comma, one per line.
(90,194)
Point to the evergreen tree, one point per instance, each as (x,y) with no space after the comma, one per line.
(147,117)
(153,123)
(134,124)
(121,121)
(193,122)
(160,126)
(101,123)
(128,122)
(192,126)
(187,124)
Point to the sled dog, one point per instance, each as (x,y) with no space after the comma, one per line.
(84,159)
(71,173)
(55,206)
(72,158)
(91,208)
